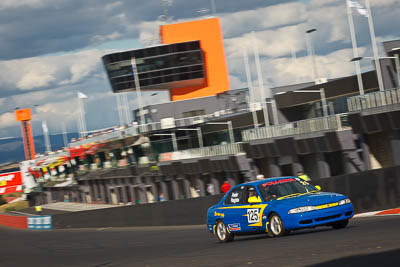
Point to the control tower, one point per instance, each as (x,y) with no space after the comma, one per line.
(24,116)
(190,63)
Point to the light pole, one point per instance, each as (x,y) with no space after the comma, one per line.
(310,50)
(355,49)
(173,135)
(199,134)
(260,79)
(230,129)
(250,86)
(374,46)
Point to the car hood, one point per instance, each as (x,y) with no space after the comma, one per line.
(311,199)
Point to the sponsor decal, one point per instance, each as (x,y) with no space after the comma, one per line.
(10,182)
(253,215)
(234,227)
(219,214)
(235,198)
(278,182)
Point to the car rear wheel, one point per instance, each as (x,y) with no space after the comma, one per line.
(275,226)
(222,233)
(340,224)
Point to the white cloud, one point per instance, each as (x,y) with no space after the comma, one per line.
(272,43)
(234,24)
(8,119)
(39,72)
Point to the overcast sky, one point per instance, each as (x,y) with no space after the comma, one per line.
(51,49)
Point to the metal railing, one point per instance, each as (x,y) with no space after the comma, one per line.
(211,151)
(329,123)
(378,101)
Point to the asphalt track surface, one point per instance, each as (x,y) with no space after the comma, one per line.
(365,242)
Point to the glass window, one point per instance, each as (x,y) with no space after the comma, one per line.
(235,197)
(250,192)
(284,187)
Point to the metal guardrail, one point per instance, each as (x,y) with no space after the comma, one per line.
(211,151)
(334,122)
(376,101)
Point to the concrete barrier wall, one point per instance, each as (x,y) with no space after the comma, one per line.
(176,212)
(369,191)
(13,221)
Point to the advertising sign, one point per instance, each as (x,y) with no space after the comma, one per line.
(10,182)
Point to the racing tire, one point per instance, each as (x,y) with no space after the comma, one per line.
(275,226)
(222,233)
(340,224)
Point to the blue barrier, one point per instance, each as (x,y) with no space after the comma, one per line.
(40,222)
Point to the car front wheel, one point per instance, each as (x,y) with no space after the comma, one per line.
(222,232)
(275,226)
(340,224)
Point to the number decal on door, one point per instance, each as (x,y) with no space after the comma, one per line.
(253,216)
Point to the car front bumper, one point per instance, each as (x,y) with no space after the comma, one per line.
(318,217)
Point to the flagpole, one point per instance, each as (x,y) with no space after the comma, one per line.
(374,46)
(355,48)
(260,80)
(250,86)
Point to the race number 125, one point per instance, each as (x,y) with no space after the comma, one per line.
(252,215)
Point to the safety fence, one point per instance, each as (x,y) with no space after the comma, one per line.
(211,151)
(328,123)
(381,101)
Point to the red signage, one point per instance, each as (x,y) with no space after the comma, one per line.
(10,182)
(278,182)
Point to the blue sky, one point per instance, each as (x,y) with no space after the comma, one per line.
(51,49)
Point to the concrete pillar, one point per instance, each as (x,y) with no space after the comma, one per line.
(274,169)
(365,154)
(296,166)
(91,191)
(216,183)
(186,187)
(201,185)
(322,166)
(141,189)
(350,162)
(175,188)
(95,190)
(164,190)
(108,185)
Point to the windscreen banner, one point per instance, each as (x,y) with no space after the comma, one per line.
(10,182)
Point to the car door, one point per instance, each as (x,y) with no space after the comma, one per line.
(232,210)
(253,217)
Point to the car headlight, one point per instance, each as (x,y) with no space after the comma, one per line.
(344,201)
(302,209)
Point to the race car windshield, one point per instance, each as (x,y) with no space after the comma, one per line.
(284,188)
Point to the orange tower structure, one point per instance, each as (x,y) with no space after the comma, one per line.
(24,116)
(208,32)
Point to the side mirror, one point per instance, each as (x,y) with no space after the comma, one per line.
(318,187)
(255,199)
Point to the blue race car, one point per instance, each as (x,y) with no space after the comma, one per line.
(276,206)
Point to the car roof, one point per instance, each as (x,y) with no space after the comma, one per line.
(257,182)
